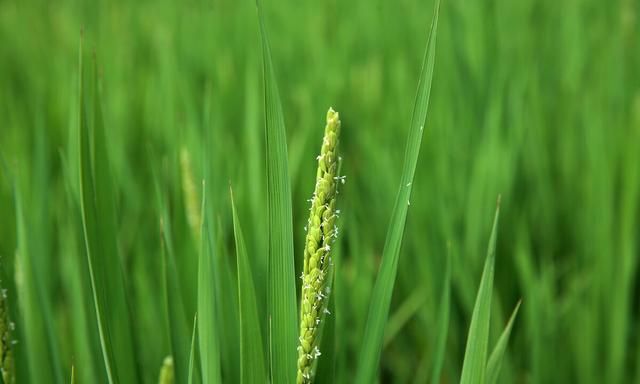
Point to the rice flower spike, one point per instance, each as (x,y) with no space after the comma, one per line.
(321,234)
(167,371)
(6,355)
(191,198)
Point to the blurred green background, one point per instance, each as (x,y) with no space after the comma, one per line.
(537,100)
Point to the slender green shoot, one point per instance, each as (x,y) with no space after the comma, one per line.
(383,288)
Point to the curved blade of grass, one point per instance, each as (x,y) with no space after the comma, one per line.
(35,311)
(383,288)
(475,357)
(207,335)
(495,360)
(282,307)
(178,328)
(226,310)
(176,315)
(252,358)
(86,343)
(105,269)
(192,353)
(433,359)
(443,324)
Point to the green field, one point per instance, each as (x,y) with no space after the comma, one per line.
(105,225)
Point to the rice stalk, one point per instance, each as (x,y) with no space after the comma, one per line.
(321,234)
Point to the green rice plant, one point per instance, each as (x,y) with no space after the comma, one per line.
(116,305)
(321,230)
(321,234)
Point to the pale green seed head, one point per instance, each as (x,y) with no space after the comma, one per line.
(7,367)
(190,192)
(167,371)
(321,234)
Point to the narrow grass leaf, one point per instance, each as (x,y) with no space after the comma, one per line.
(433,358)
(34,310)
(475,357)
(176,314)
(495,360)
(105,268)
(443,325)
(192,353)
(207,334)
(86,344)
(383,288)
(282,307)
(252,358)
(226,309)
(178,328)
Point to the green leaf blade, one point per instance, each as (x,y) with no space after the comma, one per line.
(207,330)
(495,360)
(192,352)
(475,358)
(443,325)
(282,307)
(178,328)
(252,358)
(105,266)
(42,355)
(383,288)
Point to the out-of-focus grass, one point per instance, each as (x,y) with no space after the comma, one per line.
(536,100)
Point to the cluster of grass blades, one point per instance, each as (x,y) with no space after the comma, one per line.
(476,368)
(197,348)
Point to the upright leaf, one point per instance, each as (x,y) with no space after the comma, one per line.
(383,288)
(178,328)
(433,359)
(41,352)
(495,360)
(282,307)
(252,358)
(176,314)
(207,334)
(443,325)
(192,352)
(475,357)
(105,266)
